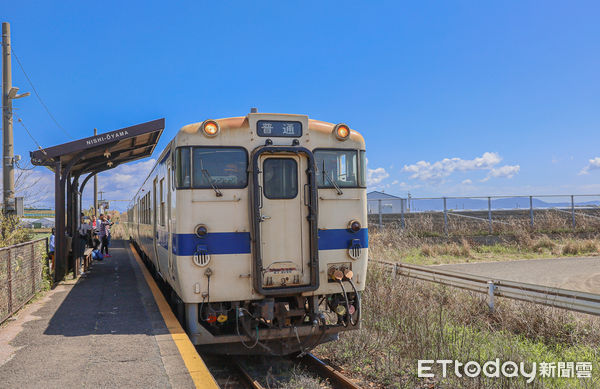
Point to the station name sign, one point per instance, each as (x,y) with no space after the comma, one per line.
(106,138)
(277,128)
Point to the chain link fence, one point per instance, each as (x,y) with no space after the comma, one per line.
(487,214)
(21,268)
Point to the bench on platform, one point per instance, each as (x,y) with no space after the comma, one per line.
(87,261)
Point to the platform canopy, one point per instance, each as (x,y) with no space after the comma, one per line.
(103,151)
(88,156)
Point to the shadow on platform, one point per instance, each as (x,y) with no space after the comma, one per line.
(112,298)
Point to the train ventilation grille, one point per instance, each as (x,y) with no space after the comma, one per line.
(201,258)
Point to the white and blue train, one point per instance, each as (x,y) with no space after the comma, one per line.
(258,227)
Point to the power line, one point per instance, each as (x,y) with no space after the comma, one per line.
(38,95)
(29,133)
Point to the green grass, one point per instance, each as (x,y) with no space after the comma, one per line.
(38,235)
(492,253)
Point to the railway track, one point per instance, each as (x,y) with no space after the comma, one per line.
(268,372)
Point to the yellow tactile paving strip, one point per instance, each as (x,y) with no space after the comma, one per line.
(193,362)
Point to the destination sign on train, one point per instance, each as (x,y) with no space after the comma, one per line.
(278,128)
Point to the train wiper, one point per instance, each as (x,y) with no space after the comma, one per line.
(211,181)
(331,180)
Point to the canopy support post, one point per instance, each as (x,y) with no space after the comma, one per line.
(60,266)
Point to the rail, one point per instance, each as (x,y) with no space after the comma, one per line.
(554,297)
(246,375)
(20,274)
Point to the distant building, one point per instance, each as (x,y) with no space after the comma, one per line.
(44,222)
(389,203)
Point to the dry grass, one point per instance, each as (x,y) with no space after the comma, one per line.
(407,246)
(580,247)
(509,223)
(405,320)
(117,231)
(462,249)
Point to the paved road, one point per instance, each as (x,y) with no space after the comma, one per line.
(581,274)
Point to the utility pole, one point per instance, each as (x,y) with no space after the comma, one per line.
(101,202)
(95,188)
(9,93)
(8,174)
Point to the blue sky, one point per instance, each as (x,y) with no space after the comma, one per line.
(454,98)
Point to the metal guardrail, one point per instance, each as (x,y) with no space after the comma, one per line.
(554,297)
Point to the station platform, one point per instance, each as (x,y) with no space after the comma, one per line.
(109,329)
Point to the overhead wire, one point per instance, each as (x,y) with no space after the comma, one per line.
(29,133)
(38,95)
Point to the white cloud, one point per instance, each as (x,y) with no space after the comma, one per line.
(136,167)
(506,171)
(437,171)
(593,164)
(375,176)
(467,182)
(122,182)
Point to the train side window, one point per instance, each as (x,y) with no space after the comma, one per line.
(183,166)
(148,209)
(162,202)
(280,178)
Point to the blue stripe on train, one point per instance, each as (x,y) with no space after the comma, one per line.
(239,242)
(337,239)
(215,242)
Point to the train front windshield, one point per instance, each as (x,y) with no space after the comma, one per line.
(205,167)
(340,167)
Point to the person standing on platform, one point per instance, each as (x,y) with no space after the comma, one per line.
(51,245)
(108,234)
(103,235)
(84,234)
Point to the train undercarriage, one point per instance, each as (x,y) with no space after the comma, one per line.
(276,325)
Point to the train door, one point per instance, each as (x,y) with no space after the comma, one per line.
(155,213)
(284,226)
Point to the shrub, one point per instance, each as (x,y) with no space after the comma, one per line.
(542,243)
(589,246)
(12,232)
(570,248)
(428,251)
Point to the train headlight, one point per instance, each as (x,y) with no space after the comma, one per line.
(341,131)
(201,230)
(210,128)
(354,226)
